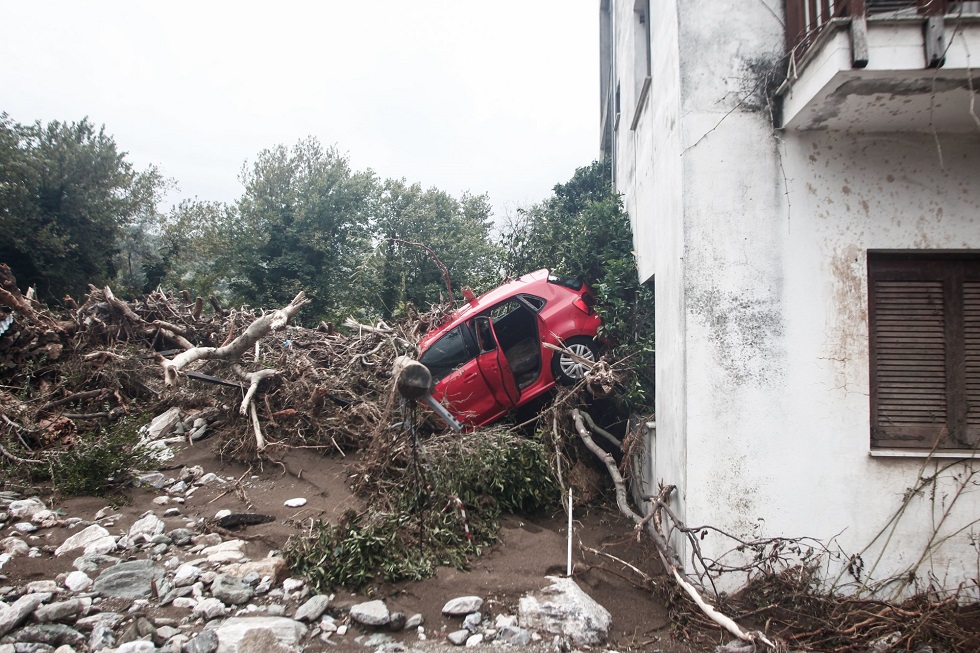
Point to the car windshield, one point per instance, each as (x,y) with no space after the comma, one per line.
(449,352)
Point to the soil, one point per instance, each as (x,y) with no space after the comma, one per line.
(528,549)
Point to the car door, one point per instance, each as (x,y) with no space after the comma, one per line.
(460,383)
(493,363)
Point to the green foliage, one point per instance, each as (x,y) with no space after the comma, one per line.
(103,465)
(583,230)
(66,195)
(421,527)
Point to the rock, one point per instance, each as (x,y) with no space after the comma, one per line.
(45,518)
(51,634)
(191,474)
(291,585)
(474,640)
(229,551)
(42,586)
(14,546)
(78,581)
(178,488)
(287,632)
(101,637)
(136,646)
(513,635)
(564,609)
(93,540)
(25,527)
(186,574)
(396,621)
(458,637)
(298,502)
(472,621)
(147,526)
(15,614)
(209,608)
(185,602)
(414,621)
(230,589)
(314,607)
(261,640)
(164,633)
(371,613)
(163,425)
(129,580)
(462,606)
(205,642)
(156,480)
(92,562)
(25,508)
(62,610)
(210,479)
(180,536)
(161,501)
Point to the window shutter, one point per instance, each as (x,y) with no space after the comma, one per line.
(971,345)
(909,371)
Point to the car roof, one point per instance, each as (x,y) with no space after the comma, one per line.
(471,308)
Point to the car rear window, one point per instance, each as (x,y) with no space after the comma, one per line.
(448,353)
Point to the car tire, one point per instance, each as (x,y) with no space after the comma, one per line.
(568,371)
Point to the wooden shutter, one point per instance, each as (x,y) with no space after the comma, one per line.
(971,360)
(909,363)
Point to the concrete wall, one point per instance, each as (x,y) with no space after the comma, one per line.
(757,242)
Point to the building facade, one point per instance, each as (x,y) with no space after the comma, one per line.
(803,179)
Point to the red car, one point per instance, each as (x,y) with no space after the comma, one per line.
(490,358)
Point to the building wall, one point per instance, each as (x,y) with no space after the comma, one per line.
(757,242)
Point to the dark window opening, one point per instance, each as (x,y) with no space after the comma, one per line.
(449,353)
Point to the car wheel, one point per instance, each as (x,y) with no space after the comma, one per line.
(568,370)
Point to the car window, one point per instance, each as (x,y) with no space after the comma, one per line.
(537,303)
(500,311)
(448,353)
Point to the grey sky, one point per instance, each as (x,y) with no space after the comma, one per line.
(498,97)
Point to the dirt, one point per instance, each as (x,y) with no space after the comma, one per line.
(528,550)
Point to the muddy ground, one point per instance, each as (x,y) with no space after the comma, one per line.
(528,550)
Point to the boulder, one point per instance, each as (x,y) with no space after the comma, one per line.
(129,580)
(230,589)
(313,608)
(16,613)
(287,632)
(462,606)
(93,540)
(371,613)
(564,609)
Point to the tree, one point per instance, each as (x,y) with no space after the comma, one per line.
(308,218)
(456,232)
(66,193)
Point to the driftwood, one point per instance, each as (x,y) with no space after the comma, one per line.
(654,528)
(234,350)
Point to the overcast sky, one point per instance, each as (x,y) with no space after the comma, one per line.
(497,97)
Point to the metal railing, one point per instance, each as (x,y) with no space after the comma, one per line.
(805,18)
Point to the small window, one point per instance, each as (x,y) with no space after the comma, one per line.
(537,303)
(449,353)
(924,323)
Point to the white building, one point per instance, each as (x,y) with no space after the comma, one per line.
(803,178)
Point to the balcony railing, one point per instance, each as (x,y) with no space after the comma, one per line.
(806,18)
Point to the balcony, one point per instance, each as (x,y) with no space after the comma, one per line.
(882,66)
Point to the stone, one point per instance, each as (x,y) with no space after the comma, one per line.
(185,602)
(230,589)
(314,607)
(209,608)
(210,479)
(205,642)
(513,635)
(136,646)
(229,551)
(474,640)
(51,635)
(371,613)
(25,527)
(17,612)
(396,621)
(101,637)
(287,632)
(162,425)
(62,610)
(273,568)
(45,518)
(191,474)
(156,480)
(472,621)
(43,586)
(148,525)
(458,637)
(14,546)
(129,580)
(164,634)
(78,581)
(92,540)
(92,562)
(462,606)
(25,508)
(186,574)
(161,501)
(180,536)
(298,502)
(413,622)
(564,609)
(261,640)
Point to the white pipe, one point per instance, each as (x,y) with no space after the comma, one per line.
(569,574)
